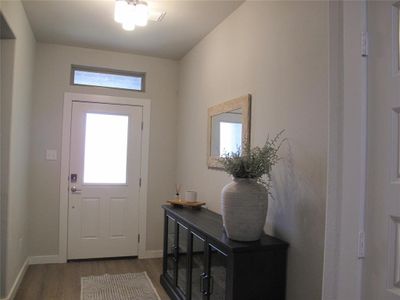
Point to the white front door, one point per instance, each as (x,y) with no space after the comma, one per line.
(382,262)
(104,180)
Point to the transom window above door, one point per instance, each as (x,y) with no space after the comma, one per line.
(100,77)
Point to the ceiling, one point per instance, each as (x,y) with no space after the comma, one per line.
(90,23)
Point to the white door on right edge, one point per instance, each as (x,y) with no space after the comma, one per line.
(382,262)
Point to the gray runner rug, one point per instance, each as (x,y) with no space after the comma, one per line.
(130,286)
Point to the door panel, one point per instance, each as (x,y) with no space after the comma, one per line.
(90,215)
(382,267)
(104,182)
(118,209)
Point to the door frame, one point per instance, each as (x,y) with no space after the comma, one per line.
(69,98)
(347,153)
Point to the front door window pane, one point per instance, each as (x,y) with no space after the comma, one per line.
(106,148)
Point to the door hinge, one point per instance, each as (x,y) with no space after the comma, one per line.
(364,44)
(141,127)
(138,238)
(140,181)
(361,244)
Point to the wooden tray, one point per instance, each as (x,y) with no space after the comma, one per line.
(182,202)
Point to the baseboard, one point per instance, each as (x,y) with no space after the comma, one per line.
(55,259)
(46,259)
(151,254)
(18,280)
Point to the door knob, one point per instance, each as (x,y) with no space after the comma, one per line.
(74,189)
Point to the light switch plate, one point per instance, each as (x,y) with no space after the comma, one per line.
(51,154)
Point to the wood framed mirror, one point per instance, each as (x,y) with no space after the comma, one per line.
(228,129)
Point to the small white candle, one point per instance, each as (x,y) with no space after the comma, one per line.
(191,196)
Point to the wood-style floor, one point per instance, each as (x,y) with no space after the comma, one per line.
(62,281)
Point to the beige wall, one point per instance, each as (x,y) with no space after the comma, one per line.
(278,52)
(52,80)
(7,48)
(18,171)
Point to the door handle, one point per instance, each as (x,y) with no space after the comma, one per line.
(205,284)
(176,254)
(202,277)
(75,190)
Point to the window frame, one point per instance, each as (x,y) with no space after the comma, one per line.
(91,69)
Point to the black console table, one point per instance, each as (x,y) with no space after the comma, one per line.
(200,262)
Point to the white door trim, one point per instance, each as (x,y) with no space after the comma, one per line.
(67,111)
(346,191)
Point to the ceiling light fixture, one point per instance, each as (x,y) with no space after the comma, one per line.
(131,13)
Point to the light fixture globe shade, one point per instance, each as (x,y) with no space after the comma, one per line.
(129,25)
(141,14)
(129,22)
(120,9)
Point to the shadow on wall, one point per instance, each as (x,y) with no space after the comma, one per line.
(292,216)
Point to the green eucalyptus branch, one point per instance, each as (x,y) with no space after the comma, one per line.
(254,162)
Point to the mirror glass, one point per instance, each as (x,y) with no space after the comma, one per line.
(226,133)
(228,128)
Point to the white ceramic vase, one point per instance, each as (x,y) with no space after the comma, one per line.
(244,209)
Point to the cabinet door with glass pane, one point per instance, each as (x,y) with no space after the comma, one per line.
(197,269)
(170,242)
(216,275)
(182,260)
